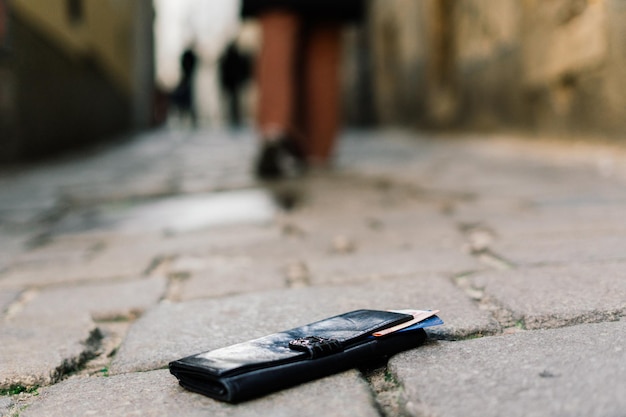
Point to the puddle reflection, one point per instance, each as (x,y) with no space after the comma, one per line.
(184,213)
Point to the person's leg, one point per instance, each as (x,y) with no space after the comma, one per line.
(321,91)
(276,76)
(276,72)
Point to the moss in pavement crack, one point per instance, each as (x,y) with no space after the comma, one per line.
(387,391)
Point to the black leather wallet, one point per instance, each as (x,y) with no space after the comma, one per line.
(257,367)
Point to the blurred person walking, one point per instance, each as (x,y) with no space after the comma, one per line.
(182,96)
(298,80)
(234,71)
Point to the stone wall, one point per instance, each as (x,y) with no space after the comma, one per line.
(543,65)
(72,74)
(60,103)
(7,83)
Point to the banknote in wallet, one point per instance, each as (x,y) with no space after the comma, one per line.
(257,367)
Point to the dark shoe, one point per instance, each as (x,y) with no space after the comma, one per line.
(268,166)
(280,159)
(295,150)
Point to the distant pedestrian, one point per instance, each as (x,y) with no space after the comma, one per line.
(234,71)
(298,80)
(182,97)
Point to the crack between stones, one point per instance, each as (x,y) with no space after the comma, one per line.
(113,333)
(297,275)
(386,391)
(493,260)
(99,348)
(73,365)
(16,408)
(555,321)
(18,303)
(511,322)
(66,368)
(158,265)
(47,220)
(479,238)
(174,287)
(161,266)
(502,315)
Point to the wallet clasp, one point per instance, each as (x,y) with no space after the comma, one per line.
(316,346)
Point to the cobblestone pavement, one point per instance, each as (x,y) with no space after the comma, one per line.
(115,262)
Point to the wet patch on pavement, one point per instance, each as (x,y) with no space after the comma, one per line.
(174,215)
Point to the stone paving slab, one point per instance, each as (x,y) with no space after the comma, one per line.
(559,250)
(597,194)
(124,256)
(153,185)
(495,166)
(133,169)
(104,301)
(367,266)
(157,394)
(115,163)
(219,239)
(326,201)
(594,192)
(172,244)
(316,246)
(556,296)
(586,221)
(124,261)
(58,252)
(375,231)
(38,350)
(12,242)
(53,332)
(512,179)
(574,371)
(219,276)
(7,297)
(5,405)
(23,202)
(431,155)
(202,181)
(195,162)
(310,261)
(174,330)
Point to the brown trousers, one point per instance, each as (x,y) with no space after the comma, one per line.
(298,79)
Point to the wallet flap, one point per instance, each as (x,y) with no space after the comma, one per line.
(343,330)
